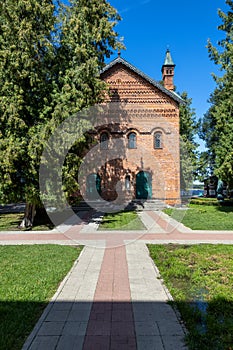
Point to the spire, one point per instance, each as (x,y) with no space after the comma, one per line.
(168,71)
(168,59)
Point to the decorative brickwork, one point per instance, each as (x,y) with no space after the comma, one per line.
(146,108)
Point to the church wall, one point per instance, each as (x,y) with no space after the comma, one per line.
(146,110)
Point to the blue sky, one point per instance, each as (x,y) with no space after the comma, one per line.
(149,26)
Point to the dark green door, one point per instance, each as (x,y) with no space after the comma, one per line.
(143,185)
(93,186)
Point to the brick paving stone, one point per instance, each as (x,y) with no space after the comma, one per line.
(123,328)
(61,306)
(116,319)
(70,342)
(173,342)
(57,315)
(51,328)
(168,327)
(113,298)
(154,318)
(97,343)
(74,328)
(100,328)
(146,328)
(45,343)
(122,315)
(150,343)
(120,342)
(78,316)
(70,307)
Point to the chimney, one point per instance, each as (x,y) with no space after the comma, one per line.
(168,71)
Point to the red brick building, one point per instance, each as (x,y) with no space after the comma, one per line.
(145,129)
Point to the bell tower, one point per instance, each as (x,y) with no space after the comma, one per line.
(168,71)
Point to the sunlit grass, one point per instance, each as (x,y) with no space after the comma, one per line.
(29,277)
(127,220)
(204,217)
(200,279)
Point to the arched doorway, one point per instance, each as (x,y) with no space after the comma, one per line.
(93,186)
(143,185)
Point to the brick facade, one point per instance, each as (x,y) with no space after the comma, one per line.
(145,124)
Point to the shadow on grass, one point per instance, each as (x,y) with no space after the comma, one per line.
(16,322)
(210,324)
(86,325)
(108,221)
(225,208)
(82,325)
(10,220)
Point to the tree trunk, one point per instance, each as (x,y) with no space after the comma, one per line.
(29,214)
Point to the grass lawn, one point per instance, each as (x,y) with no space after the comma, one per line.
(204,217)
(127,220)
(200,279)
(29,277)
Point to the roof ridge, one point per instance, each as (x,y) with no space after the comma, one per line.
(121,60)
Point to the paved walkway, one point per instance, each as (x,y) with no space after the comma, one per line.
(113,297)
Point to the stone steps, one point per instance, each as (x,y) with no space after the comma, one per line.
(136,204)
(150,204)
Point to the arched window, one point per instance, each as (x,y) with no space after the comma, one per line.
(132,141)
(104,140)
(127,183)
(158,140)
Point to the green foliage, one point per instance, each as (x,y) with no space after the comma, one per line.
(29,277)
(188,146)
(200,279)
(25,52)
(50,59)
(217,125)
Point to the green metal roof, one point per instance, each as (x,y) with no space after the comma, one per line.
(168,59)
